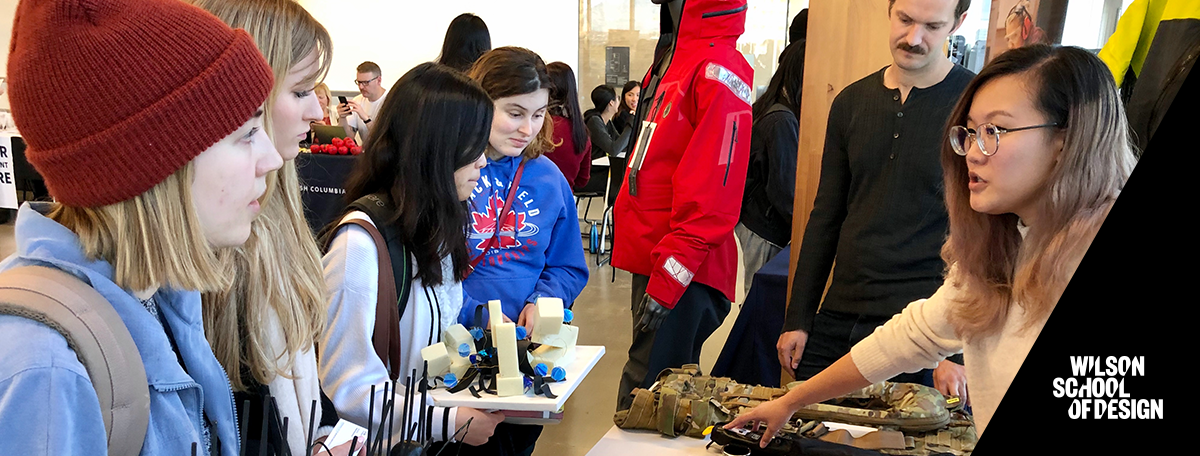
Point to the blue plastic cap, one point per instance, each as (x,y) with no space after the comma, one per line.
(541,369)
(477,333)
(528,382)
(450,380)
(464,350)
(474,359)
(521,333)
(568,315)
(558,374)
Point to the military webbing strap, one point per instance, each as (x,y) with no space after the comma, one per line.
(910,407)
(668,407)
(876,440)
(640,415)
(702,415)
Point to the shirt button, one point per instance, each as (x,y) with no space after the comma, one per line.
(900,114)
(896,97)
(893,156)
(896,135)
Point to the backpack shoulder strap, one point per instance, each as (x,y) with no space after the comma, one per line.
(99,338)
(395,277)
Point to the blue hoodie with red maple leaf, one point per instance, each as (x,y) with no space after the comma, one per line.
(540,251)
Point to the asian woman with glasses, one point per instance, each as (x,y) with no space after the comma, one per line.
(1038,151)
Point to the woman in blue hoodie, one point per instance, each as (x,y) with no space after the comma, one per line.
(523,232)
(537,250)
(147,185)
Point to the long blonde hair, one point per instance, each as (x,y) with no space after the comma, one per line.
(279,267)
(993,265)
(151,240)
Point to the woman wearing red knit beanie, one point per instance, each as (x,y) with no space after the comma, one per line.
(148,186)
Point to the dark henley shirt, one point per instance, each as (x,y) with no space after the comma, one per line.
(879,209)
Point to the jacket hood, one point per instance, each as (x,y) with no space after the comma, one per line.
(711,19)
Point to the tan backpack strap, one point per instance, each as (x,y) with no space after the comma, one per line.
(99,338)
(668,407)
(386,337)
(874,440)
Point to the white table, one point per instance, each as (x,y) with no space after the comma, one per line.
(620,442)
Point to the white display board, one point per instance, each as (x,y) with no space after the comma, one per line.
(8,186)
(586,357)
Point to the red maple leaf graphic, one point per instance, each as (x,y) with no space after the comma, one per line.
(485,224)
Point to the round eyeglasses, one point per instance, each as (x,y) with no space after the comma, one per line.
(987,137)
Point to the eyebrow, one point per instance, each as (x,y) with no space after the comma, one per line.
(906,17)
(991,115)
(523,108)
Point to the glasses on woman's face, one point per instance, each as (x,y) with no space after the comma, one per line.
(987,137)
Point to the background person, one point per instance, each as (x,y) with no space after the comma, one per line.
(328,110)
(630,94)
(355,115)
(765,225)
(572,147)
(467,38)
(606,141)
(1023,212)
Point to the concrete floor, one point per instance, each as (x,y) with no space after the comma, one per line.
(603,316)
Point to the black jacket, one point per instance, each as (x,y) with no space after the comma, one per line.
(771,178)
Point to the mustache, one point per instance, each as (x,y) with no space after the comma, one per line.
(912,49)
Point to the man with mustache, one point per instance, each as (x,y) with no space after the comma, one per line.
(879,207)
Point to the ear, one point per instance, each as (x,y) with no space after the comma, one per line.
(1058,143)
(959,23)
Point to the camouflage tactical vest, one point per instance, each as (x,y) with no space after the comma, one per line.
(683,402)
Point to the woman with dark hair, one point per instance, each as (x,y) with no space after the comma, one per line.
(629,102)
(467,38)
(571,143)
(422,163)
(1023,212)
(606,140)
(524,232)
(765,225)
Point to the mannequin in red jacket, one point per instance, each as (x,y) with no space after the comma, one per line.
(676,212)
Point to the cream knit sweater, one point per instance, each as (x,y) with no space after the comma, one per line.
(921,336)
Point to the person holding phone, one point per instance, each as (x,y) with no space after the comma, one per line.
(355,115)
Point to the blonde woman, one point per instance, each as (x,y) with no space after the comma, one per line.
(263,328)
(138,223)
(324,96)
(1023,212)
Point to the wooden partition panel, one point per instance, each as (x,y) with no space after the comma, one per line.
(847,40)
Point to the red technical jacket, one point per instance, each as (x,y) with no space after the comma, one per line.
(675,213)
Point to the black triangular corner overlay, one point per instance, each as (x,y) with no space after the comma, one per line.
(1133,295)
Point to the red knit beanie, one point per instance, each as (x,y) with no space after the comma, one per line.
(113,96)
